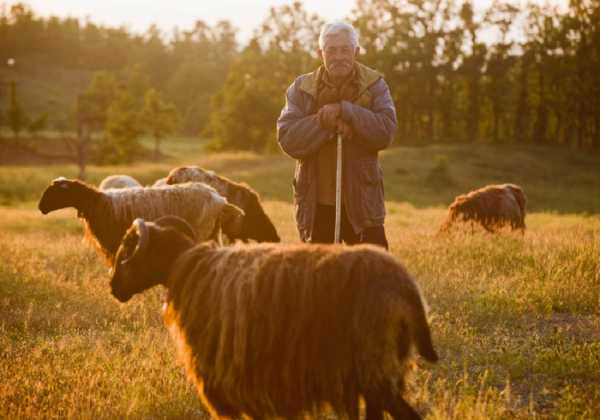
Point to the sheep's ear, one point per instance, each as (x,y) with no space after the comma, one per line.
(61,182)
(231,220)
(142,233)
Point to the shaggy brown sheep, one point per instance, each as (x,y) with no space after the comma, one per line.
(493,206)
(108,214)
(269,330)
(256,224)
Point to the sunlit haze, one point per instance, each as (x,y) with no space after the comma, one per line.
(138,15)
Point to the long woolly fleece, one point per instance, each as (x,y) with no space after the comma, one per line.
(273,330)
(110,216)
(492,206)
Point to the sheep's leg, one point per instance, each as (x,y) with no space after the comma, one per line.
(388,399)
(400,409)
(374,409)
(351,402)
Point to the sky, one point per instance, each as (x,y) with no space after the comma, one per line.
(138,15)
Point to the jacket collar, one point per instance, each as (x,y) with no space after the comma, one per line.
(366,76)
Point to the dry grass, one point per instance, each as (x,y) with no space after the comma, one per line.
(516,319)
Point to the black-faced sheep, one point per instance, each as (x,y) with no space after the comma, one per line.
(108,214)
(256,224)
(493,206)
(270,330)
(118,181)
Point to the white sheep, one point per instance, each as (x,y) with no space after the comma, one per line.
(118,181)
(108,214)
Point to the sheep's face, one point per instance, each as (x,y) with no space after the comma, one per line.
(61,193)
(147,253)
(131,272)
(256,224)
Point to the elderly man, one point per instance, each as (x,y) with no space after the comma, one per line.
(341,96)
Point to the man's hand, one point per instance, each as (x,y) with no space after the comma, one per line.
(343,128)
(328,116)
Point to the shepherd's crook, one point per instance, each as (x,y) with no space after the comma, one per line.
(338,190)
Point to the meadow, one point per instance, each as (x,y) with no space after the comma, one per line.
(515,319)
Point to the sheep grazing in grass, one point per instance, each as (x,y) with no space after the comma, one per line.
(256,225)
(118,181)
(271,330)
(493,207)
(108,214)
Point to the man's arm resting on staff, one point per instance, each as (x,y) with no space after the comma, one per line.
(299,133)
(374,128)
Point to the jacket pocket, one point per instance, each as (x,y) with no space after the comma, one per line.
(301,181)
(371,190)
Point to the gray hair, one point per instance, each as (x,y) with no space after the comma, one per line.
(336,28)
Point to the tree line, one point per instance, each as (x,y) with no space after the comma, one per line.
(457,74)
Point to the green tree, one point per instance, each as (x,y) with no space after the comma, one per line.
(38,124)
(159,118)
(245,110)
(498,73)
(98,97)
(17,119)
(472,68)
(203,57)
(123,129)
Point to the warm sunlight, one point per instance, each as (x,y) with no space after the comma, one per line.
(246,15)
(255,210)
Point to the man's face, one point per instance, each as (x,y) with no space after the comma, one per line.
(338,55)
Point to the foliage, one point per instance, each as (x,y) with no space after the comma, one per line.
(451,82)
(246,108)
(97,98)
(123,127)
(38,124)
(158,118)
(58,57)
(457,72)
(16,116)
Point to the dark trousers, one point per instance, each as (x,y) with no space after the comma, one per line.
(324,230)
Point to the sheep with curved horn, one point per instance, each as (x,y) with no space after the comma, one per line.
(269,330)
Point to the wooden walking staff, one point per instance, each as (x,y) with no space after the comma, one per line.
(338,190)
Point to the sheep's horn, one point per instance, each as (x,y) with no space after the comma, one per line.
(142,232)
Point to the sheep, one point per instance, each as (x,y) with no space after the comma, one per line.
(493,206)
(256,224)
(118,181)
(108,214)
(280,330)
(160,182)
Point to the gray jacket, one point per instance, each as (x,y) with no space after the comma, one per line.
(373,119)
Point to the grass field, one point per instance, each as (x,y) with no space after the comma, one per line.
(516,320)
